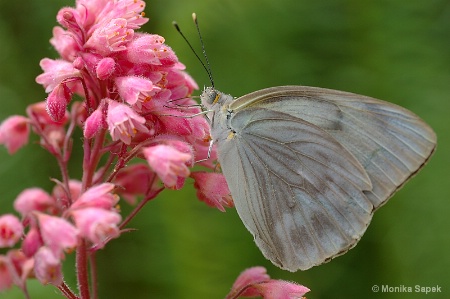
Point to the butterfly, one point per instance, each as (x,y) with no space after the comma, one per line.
(307,167)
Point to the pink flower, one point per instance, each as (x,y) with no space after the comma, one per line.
(10,230)
(134,180)
(97,225)
(149,49)
(135,90)
(14,132)
(47,267)
(255,282)
(64,43)
(212,188)
(168,162)
(57,233)
(110,37)
(123,122)
(33,199)
(6,278)
(99,196)
(54,72)
(57,102)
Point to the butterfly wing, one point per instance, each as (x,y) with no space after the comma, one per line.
(307,167)
(297,190)
(390,142)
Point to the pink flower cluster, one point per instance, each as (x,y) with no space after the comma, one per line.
(135,104)
(54,227)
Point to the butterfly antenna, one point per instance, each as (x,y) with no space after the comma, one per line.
(207,69)
(194,17)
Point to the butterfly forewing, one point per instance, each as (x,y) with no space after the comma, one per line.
(391,142)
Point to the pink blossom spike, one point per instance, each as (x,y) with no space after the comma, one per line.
(47,267)
(212,189)
(11,230)
(99,196)
(123,122)
(57,233)
(168,163)
(97,225)
(33,199)
(14,132)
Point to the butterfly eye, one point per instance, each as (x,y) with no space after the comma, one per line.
(210,96)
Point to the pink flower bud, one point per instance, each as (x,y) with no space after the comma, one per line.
(95,122)
(168,162)
(38,113)
(212,189)
(57,233)
(57,102)
(123,122)
(33,199)
(6,278)
(10,230)
(32,242)
(105,68)
(99,196)
(47,267)
(14,132)
(97,225)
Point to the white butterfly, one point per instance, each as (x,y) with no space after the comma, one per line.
(307,167)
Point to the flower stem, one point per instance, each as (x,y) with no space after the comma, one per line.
(82,270)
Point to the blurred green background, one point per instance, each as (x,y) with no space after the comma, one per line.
(398,51)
